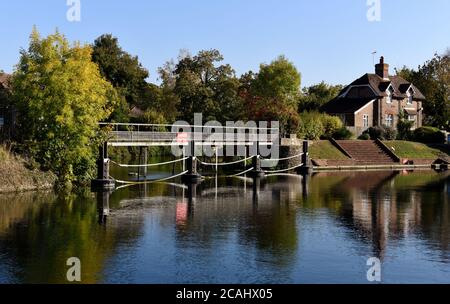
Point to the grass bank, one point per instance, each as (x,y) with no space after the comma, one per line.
(324,149)
(414,150)
(16,176)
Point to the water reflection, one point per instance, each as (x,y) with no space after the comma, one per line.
(287,228)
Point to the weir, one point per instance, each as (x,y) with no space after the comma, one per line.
(146,135)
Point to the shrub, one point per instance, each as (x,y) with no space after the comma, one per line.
(342,134)
(382,133)
(389,133)
(429,135)
(314,125)
(404,127)
(311,126)
(332,124)
(364,136)
(376,133)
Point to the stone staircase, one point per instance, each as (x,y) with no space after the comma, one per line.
(366,152)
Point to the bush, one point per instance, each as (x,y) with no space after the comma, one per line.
(332,124)
(376,133)
(311,126)
(389,133)
(342,134)
(429,135)
(381,133)
(364,136)
(314,125)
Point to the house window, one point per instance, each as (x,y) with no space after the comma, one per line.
(410,94)
(389,120)
(389,95)
(412,118)
(366,121)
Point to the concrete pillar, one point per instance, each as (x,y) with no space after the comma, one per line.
(103,180)
(256,162)
(192,176)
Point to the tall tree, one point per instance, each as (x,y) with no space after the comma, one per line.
(203,85)
(315,96)
(272,94)
(123,70)
(433,80)
(61,97)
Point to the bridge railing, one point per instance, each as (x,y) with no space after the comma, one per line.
(123,132)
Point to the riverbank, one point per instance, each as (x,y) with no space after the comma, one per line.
(16,176)
(358,154)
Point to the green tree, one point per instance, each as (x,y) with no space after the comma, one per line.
(315,96)
(123,70)
(433,80)
(202,85)
(272,94)
(61,97)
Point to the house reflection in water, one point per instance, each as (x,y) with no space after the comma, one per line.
(384,207)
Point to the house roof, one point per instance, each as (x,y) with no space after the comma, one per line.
(4,80)
(346,105)
(380,85)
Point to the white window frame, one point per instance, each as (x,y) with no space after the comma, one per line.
(412,118)
(365,120)
(389,120)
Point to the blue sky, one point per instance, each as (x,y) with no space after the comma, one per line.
(326,40)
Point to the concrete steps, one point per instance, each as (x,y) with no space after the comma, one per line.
(366,152)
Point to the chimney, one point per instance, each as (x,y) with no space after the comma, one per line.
(382,69)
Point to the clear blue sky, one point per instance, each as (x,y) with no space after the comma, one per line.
(326,40)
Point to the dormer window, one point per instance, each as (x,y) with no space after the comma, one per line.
(410,96)
(390,93)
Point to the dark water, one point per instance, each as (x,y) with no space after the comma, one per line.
(278,230)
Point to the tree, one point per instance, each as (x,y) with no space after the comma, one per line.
(123,70)
(61,97)
(202,85)
(433,80)
(315,96)
(272,94)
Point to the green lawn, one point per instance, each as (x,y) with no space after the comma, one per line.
(325,150)
(407,149)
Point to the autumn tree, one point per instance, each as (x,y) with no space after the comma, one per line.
(61,97)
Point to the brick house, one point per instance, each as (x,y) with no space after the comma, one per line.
(377,100)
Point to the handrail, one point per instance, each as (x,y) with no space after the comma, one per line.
(185,126)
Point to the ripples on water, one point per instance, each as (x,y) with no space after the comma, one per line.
(278,230)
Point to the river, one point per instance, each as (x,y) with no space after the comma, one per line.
(281,229)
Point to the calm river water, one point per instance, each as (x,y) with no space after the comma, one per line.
(235,230)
